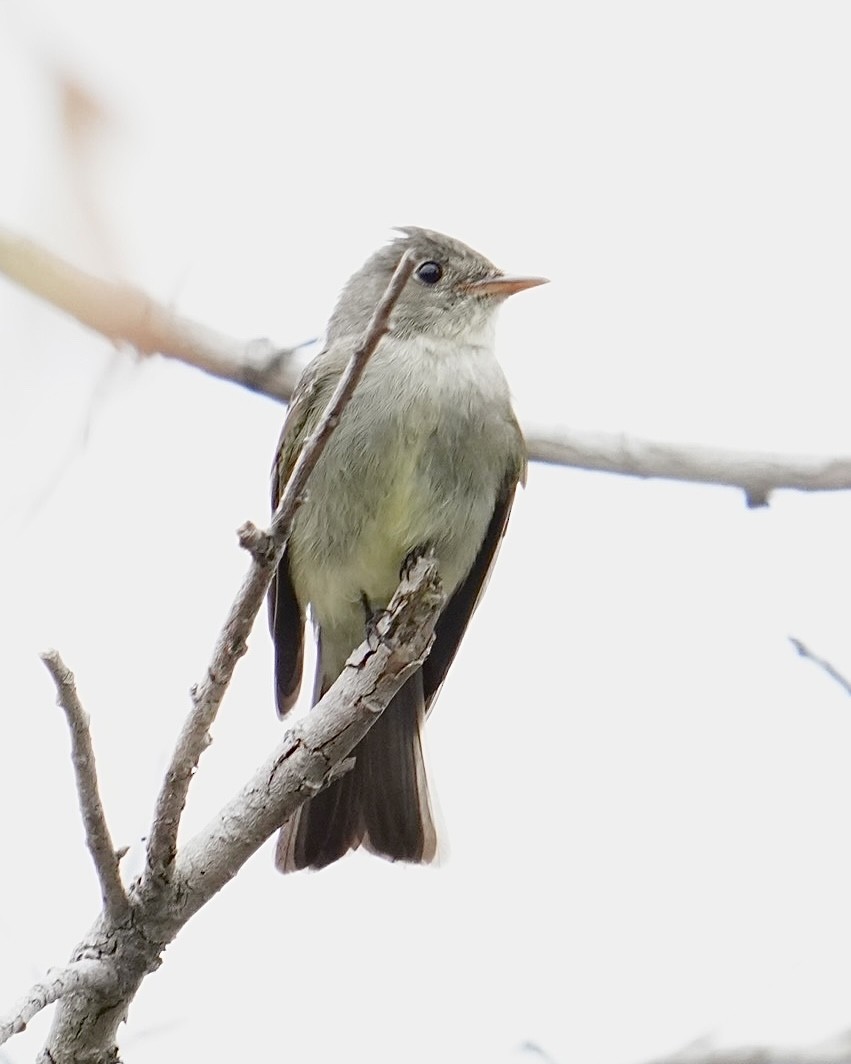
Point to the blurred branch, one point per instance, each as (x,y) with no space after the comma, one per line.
(533,1049)
(757,473)
(822,663)
(833,1051)
(83,758)
(127,316)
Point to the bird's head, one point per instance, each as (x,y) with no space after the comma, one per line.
(453,292)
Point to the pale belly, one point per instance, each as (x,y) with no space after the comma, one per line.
(427,474)
(339,557)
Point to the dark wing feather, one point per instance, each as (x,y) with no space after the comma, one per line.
(456,614)
(286,623)
(286,616)
(286,620)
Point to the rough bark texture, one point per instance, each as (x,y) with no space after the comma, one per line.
(85,1025)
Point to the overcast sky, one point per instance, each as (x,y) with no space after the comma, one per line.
(644,792)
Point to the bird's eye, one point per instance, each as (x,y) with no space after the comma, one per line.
(429,272)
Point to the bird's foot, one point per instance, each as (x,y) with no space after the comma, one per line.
(425,550)
(372,622)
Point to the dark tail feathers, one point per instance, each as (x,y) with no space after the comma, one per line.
(381,804)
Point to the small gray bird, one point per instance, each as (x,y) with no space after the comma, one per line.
(427,457)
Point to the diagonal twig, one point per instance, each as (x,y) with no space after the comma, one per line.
(822,663)
(266,550)
(98,838)
(74,978)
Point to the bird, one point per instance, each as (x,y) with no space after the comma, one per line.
(426,458)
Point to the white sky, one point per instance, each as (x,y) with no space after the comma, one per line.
(645,791)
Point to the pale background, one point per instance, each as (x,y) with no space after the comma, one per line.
(646,792)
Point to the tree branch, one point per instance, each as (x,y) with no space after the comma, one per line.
(126,315)
(757,473)
(98,838)
(232,643)
(822,663)
(81,976)
(833,1051)
(309,753)
(84,1027)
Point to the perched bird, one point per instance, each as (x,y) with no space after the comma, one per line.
(426,457)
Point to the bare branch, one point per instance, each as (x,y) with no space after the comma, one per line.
(833,1051)
(534,1049)
(98,838)
(757,473)
(307,757)
(822,663)
(313,750)
(125,315)
(81,976)
(231,645)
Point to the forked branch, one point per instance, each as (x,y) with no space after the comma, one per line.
(98,838)
(126,941)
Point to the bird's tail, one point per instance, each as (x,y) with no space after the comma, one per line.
(381,804)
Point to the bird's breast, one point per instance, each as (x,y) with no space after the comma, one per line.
(417,460)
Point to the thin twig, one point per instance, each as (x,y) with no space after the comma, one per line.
(231,645)
(822,663)
(98,838)
(80,976)
(534,1049)
(315,442)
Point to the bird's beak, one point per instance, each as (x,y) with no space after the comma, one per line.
(502,285)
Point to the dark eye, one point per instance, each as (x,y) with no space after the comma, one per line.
(429,272)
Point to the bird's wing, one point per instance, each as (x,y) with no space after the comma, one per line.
(453,621)
(286,616)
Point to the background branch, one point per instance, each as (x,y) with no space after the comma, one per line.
(832,1051)
(822,663)
(757,473)
(98,838)
(127,316)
